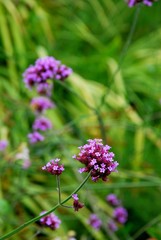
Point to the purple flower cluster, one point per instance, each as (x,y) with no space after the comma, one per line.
(3,145)
(120,214)
(76,204)
(39,75)
(94,221)
(132,3)
(42,123)
(51,220)
(40,104)
(54,167)
(112,199)
(63,72)
(35,137)
(44,89)
(112,226)
(97,159)
(45,68)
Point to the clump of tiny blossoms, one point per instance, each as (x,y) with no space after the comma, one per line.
(40,76)
(97,158)
(54,167)
(42,124)
(35,137)
(76,204)
(120,214)
(94,221)
(51,220)
(40,104)
(116,220)
(113,200)
(132,3)
(45,68)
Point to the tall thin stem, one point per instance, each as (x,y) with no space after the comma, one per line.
(123,53)
(94,109)
(148,225)
(58,188)
(101,125)
(15,231)
(76,94)
(59,193)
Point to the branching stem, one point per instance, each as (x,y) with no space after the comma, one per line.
(21,227)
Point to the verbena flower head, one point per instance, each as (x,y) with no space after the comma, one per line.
(94,221)
(63,72)
(112,199)
(40,104)
(76,204)
(45,68)
(54,167)
(3,145)
(35,137)
(44,89)
(97,159)
(42,124)
(132,3)
(120,214)
(51,220)
(112,226)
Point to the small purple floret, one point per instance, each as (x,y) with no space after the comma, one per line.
(54,167)
(76,204)
(40,104)
(112,199)
(94,221)
(132,3)
(63,72)
(3,145)
(51,220)
(35,137)
(112,226)
(44,89)
(42,124)
(75,197)
(120,214)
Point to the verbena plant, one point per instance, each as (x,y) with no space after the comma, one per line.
(130,111)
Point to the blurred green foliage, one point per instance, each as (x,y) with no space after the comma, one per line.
(87,35)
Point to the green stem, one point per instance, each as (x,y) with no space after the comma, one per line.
(15,231)
(76,94)
(58,188)
(123,53)
(145,227)
(95,110)
(59,193)
(101,125)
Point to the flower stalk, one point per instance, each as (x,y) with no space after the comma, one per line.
(21,227)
